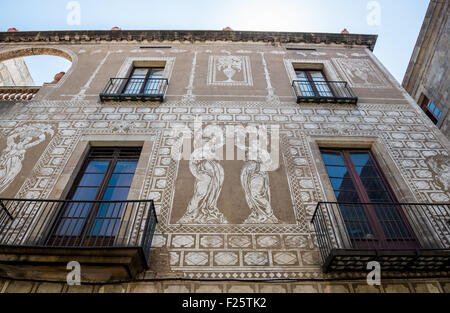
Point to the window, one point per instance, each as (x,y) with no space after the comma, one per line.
(431,110)
(313,83)
(361,190)
(144,80)
(139,80)
(106,175)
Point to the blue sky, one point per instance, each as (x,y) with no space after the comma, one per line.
(398,27)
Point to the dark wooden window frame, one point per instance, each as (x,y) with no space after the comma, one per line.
(371,215)
(313,83)
(115,157)
(424,105)
(144,84)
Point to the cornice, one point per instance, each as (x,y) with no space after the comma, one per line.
(98,36)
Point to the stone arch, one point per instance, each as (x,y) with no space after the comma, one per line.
(22,51)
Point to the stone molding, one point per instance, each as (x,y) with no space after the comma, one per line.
(95,36)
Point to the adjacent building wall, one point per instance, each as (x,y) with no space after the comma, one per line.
(14,72)
(428,73)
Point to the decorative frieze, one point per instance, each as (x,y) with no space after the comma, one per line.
(188,36)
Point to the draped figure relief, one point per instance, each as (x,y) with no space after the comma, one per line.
(209,177)
(255,183)
(18,142)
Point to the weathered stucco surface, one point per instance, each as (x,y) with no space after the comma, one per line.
(71,113)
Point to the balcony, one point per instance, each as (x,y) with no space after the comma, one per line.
(135,89)
(18,93)
(323,92)
(419,243)
(39,237)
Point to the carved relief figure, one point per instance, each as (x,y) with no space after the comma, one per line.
(440,166)
(17,143)
(209,176)
(255,183)
(359,69)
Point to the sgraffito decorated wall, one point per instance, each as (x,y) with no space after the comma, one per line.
(226,218)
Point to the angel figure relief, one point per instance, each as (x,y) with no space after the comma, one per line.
(18,142)
(359,69)
(229,65)
(255,181)
(209,177)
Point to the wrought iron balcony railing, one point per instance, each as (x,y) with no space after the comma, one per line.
(135,89)
(323,91)
(71,223)
(404,237)
(111,239)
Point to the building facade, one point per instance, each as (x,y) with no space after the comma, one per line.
(15,73)
(427,77)
(274,130)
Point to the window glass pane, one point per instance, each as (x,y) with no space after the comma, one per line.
(323,88)
(332,159)
(77,209)
(373,184)
(97,166)
(91,180)
(353,212)
(356,221)
(85,193)
(139,72)
(342,184)
(306,89)
(431,116)
(105,227)
(337,171)
(157,72)
(134,86)
(125,167)
(347,196)
(136,81)
(317,76)
(107,215)
(391,221)
(367,171)
(153,86)
(113,209)
(121,180)
(379,196)
(395,230)
(361,159)
(73,218)
(303,86)
(116,193)
(70,227)
(387,213)
(108,219)
(301,75)
(359,230)
(320,83)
